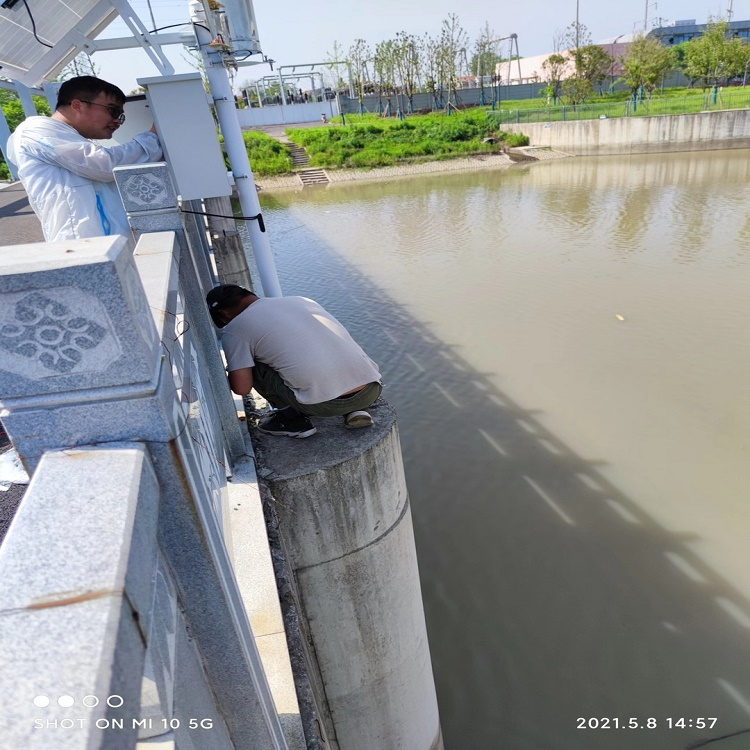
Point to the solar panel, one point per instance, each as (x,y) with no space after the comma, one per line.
(35,43)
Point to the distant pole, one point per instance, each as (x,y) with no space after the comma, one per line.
(281,86)
(151,13)
(577,25)
(729,12)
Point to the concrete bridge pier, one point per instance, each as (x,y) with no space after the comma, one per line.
(345,521)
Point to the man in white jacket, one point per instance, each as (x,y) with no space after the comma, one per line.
(67,176)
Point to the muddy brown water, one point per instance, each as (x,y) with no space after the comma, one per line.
(567,346)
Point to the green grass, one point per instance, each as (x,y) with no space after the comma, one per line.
(372,141)
(267,156)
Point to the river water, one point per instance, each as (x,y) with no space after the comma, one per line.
(567,347)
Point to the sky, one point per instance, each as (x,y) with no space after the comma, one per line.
(301,31)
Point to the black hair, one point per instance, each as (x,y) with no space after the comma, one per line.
(87,87)
(225,297)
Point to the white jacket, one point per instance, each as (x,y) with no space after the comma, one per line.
(69,179)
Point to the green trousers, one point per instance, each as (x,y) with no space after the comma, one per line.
(271,386)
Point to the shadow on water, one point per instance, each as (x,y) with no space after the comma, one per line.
(551,598)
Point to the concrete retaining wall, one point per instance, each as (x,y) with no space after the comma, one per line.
(286,114)
(706,131)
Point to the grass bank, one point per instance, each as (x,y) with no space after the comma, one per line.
(373,141)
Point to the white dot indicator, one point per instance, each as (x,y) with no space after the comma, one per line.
(66,701)
(41,701)
(90,701)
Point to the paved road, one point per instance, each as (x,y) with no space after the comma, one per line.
(18,225)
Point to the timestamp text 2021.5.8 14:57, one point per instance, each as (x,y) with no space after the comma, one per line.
(650,722)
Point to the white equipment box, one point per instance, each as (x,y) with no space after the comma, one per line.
(180,108)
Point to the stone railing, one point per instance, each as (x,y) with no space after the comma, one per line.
(121,617)
(127,582)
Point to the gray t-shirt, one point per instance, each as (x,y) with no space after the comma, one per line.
(312,352)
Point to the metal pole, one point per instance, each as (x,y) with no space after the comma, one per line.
(4,135)
(221,90)
(151,13)
(50,94)
(257,91)
(352,90)
(514,37)
(24,94)
(281,86)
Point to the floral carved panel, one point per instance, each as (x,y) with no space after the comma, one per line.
(54,332)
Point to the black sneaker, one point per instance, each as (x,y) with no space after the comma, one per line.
(289,424)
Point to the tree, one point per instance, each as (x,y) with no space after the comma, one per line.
(485,57)
(576,90)
(385,71)
(453,39)
(80,65)
(14,116)
(575,36)
(592,64)
(679,52)
(432,70)
(359,55)
(407,62)
(336,65)
(554,67)
(648,61)
(713,57)
(13,109)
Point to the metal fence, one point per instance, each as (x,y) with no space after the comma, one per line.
(710,101)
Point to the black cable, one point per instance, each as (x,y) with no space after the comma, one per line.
(257,217)
(703,743)
(33,27)
(172,26)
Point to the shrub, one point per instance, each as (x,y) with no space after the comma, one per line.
(4,171)
(516,139)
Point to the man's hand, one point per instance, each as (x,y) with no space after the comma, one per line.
(153,128)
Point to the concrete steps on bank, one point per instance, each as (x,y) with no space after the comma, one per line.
(308,175)
(313,176)
(299,156)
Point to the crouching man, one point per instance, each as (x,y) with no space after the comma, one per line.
(297,356)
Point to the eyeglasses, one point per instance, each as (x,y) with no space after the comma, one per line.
(115,112)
